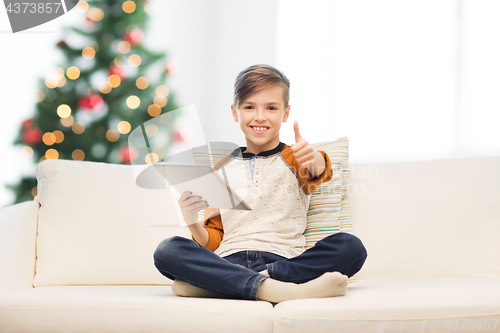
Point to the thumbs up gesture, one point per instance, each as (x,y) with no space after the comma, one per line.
(303,151)
(306,155)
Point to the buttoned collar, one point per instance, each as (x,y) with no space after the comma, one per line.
(239,152)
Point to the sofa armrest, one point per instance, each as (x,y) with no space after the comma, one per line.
(18,229)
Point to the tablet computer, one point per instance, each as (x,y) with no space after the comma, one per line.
(202,180)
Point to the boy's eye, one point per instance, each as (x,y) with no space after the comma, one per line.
(271,107)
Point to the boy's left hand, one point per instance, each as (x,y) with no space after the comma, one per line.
(303,151)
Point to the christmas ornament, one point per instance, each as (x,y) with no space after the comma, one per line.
(32,135)
(113,70)
(128,154)
(134,37)
(27,123)
(90,102)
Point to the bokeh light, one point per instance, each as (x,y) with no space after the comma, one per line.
(152,130)
(160,101)
(114,80)
(142,82)
(73,72)
(154,110)
(67,122)
(123,47)
(78,127)
(63,110)
(133,102)
(82,6)
(51,154)
(134,60)
(128,7)
(27,152)
(40,96)
(59,136)
(78,155)
(49,138)
(88,52)
(104,87)
(124,127)
(112,135)
(95,14)
(62,82)
(59,72)
(162,91)
(56,78)
(151,158)
(49,82)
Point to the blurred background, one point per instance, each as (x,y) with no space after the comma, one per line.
(403,80)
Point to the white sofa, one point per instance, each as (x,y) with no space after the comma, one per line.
(80,259)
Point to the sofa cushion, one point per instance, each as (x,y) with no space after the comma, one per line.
(151,309)
(96,226)
(436,218)
(388,305)
(17,245)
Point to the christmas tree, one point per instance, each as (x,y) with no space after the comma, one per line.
(109,84)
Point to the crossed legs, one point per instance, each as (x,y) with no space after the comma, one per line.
(320,271)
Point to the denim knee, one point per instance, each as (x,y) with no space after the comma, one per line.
(352,245)
(355,247)
(168,250)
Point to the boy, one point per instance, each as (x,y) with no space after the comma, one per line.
(259,254)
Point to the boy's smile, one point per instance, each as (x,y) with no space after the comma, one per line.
(261,115)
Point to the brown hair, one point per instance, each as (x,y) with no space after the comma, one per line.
(256,78)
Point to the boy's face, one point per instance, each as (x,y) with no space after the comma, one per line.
(262,110)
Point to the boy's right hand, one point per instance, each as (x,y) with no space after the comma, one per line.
(190,206)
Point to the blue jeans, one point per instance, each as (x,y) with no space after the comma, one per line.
(237,275)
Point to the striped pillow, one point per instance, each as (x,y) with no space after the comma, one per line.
(329,208)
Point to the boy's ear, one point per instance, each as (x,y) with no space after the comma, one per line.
(286,114)
(235,114)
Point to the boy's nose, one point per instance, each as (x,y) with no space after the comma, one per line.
(260,115)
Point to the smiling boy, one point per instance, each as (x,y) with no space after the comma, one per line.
(261,117)
(259,254)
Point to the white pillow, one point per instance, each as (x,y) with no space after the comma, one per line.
(96,226)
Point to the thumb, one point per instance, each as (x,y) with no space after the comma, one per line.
(296,129)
